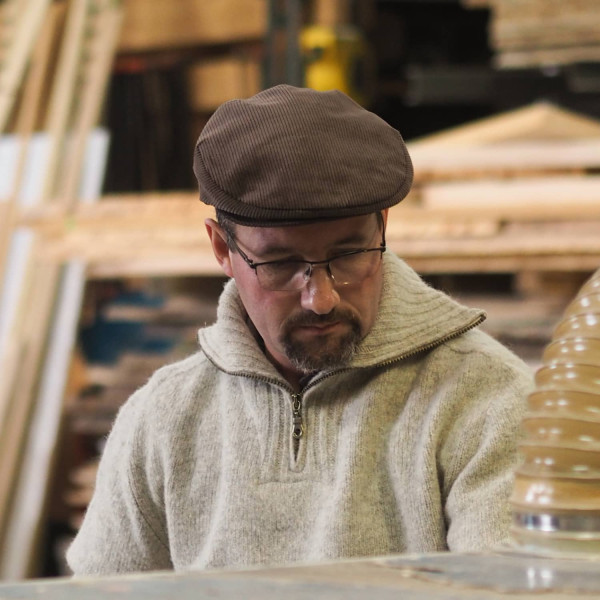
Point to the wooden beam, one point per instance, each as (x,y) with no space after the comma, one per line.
(27,116)
(186,23)
(24,27)
(164,234)
(536,123)
(518,59)
(572,196)
(458,162)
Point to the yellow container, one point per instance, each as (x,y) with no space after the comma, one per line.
(336,58)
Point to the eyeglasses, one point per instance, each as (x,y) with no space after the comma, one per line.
(292,275)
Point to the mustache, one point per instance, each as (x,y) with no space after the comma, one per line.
(308,319)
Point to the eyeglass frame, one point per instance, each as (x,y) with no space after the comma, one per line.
(254,265)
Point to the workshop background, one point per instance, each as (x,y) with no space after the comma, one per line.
(105,270)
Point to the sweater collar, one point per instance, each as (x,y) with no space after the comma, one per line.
(412,317)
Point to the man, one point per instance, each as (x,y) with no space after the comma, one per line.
(339,407)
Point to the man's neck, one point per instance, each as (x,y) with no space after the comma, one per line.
(294,377)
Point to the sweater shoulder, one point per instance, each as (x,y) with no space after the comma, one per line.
(472,374)
(484,350)
(180,372)
(171,392)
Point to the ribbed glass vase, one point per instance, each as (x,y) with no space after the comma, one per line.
(556,496)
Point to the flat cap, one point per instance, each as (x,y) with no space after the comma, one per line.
(292,155)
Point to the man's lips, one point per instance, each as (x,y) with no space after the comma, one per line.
(319,328)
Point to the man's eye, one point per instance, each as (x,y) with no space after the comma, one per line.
(346,251)
(284,266)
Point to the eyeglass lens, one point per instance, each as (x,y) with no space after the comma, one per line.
(344,270)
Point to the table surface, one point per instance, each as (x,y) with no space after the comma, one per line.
(443,576)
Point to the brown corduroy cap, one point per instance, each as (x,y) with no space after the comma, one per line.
(294,155)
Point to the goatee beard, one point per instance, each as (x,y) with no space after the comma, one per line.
(323,352)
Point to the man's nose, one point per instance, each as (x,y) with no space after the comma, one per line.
(319,294)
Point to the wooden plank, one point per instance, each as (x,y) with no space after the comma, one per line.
(29,355)
(537,122)
(542,9)
(85,85)
(574,196)
(106,26)
(183,23)
(63,93)
(532,33)
(539,247)
(214,81)
(14,64)
(515,157)
(57,123)
(547,56)
(452,264)
(31,484)
(504,574)
(184,210)
(331,13)
(95,39)
(165,233)
(60,104)
(517,247)
(24,528)
(14,244)
(26,120)
(565,30)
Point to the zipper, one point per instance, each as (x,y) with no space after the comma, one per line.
(297,424)
(478,320)
(296,398)
(298,429)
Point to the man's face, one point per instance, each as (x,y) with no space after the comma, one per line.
(320,325)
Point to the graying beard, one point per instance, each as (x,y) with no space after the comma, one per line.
(306,363)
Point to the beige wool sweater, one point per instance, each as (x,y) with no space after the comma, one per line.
(409,449)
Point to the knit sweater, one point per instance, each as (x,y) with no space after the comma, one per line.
(410,448)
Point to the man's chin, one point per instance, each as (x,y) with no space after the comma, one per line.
(322,352)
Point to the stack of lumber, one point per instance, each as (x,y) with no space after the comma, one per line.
(524,187)
(55,63)
(528,33)
(517,193)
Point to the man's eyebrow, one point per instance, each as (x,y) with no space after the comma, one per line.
(270,250)
(354,239)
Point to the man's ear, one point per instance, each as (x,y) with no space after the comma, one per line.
(218,240)
(384,214)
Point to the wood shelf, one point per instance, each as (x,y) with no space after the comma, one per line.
(163,234)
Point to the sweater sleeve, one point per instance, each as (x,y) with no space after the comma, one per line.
(480,457)
(124,529)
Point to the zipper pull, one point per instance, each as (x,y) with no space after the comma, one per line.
(297,425)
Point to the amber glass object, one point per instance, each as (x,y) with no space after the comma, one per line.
(556,496)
